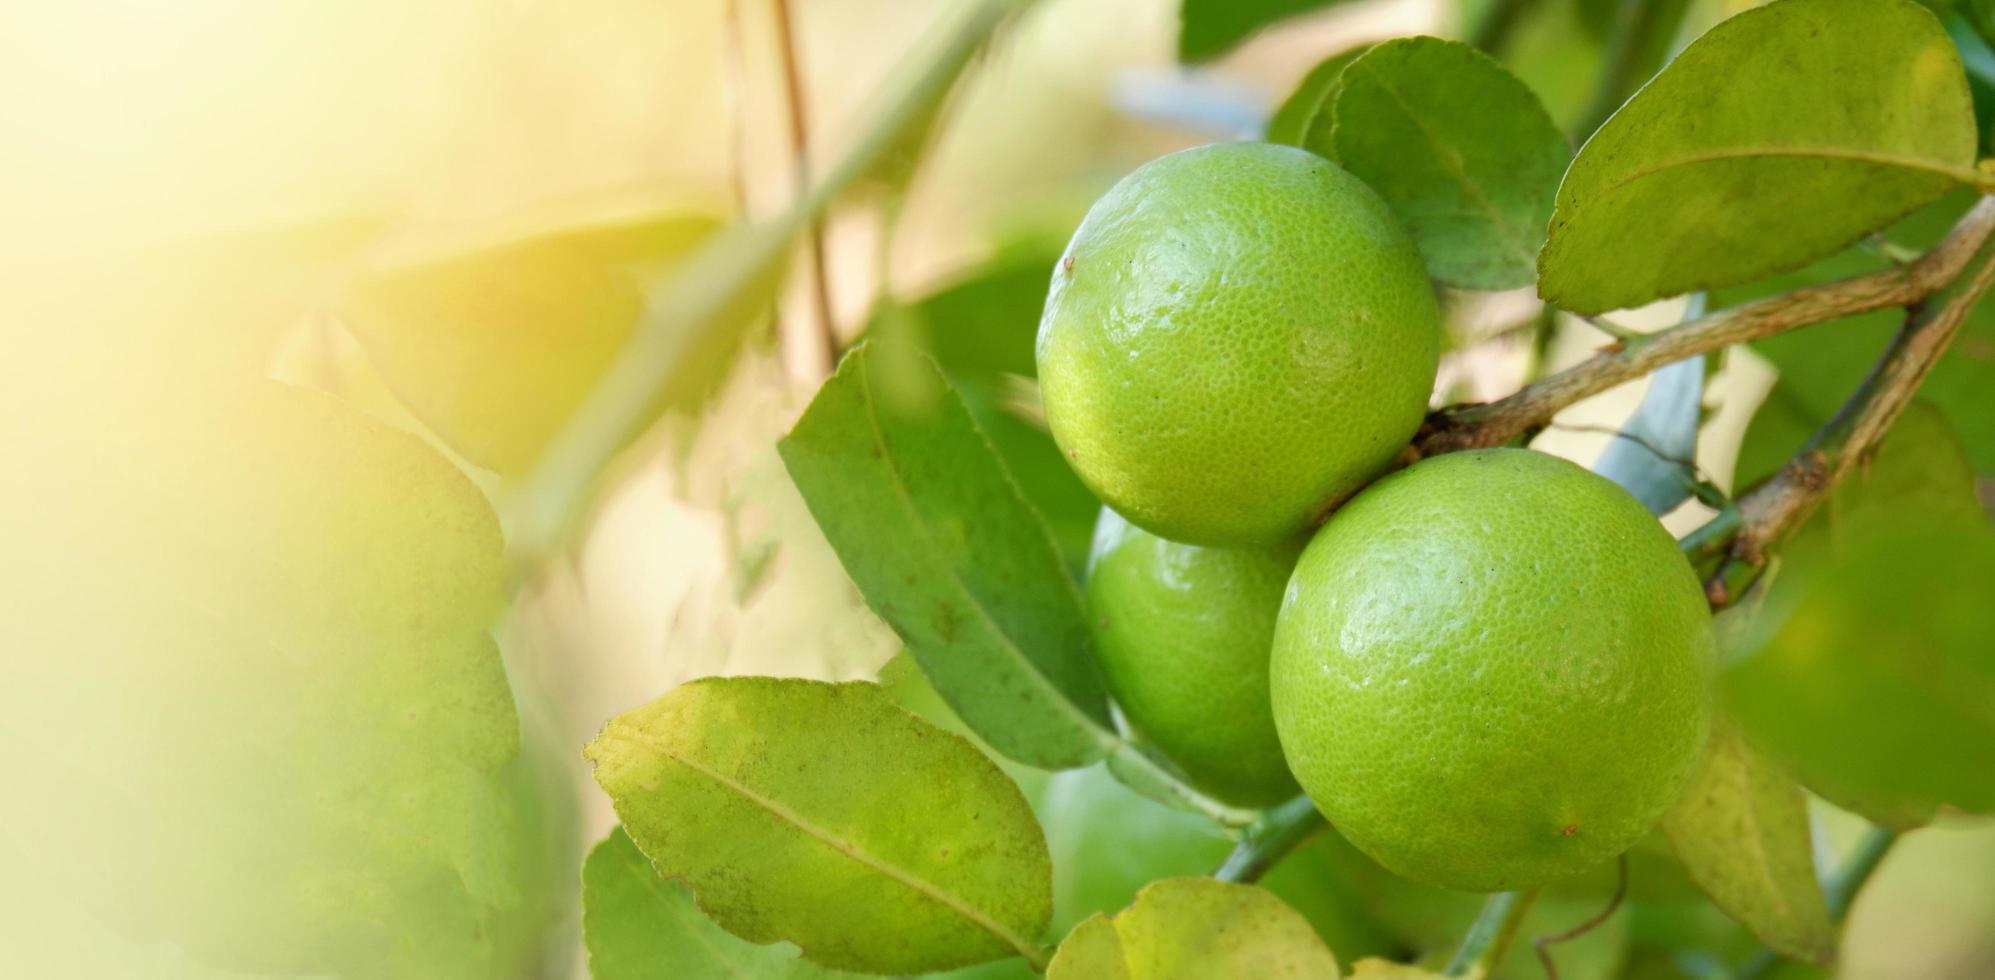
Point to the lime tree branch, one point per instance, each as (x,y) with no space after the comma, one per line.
(1777,506)
(1477,426)
(702,308)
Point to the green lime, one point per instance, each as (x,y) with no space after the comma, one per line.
(1182,634)
(1238,336)
(1493,670)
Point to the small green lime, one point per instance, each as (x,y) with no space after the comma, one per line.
(1238,336)
(1493,670)
(1182,634)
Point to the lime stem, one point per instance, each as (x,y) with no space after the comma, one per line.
(1489,936)
(1266,841)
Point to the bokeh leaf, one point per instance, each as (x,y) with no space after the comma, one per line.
(946,549)
(638,925)
(1778,137)
(1741,830)
(826,815)
(494,338)
(1460,148)
(1918,469)
(1209,28)
(288,744)
(191,312)
(1871,676)
(1195,927)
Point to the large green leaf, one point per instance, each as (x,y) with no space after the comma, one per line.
(1919,469)
(639,925)
(1871,674)
(981,330)
(493,339)
(1463,152)
(946,549)
(826,815)
(255,664)
(1741,830)
(1778,137)
(1209,28)
(1195,927)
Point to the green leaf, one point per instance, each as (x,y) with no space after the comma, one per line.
(1871,676)
(981,330)
(1209,28)
(1313,104)
(1460,148)
(494,339)
(1778,137)
(260,626)
(638,925)
(1741,830)
(825,815)
(1918,469)
(1195,927)
(946,549)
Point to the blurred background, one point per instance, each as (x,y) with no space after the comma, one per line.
(203,187)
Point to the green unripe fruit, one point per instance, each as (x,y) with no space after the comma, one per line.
(1182,635)
(1238,336)
(1493,670)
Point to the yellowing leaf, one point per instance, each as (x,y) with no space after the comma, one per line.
(1195,927)
(494,338)
(1378,969)
(825,815)
(1781,135)
(1741,830)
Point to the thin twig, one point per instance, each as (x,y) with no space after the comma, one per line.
(1613,904)
(1495,423)
(793,88)
(1279,830)
(1772,510)
(698,310)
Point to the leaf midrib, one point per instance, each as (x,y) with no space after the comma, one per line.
(1963,175)
(1032,670)
(908,879)
(1442,155)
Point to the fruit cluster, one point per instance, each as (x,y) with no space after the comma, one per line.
(1489,669)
